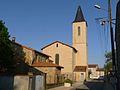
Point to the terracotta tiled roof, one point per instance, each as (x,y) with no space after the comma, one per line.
(45,64)
(50,61)
(61,43)
(80,68)
(100,69)
(92,65)
(22,46)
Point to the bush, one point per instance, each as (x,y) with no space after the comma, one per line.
(68,81)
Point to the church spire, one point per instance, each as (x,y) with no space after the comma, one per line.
(79,15)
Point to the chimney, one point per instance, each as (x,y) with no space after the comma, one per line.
(13,39)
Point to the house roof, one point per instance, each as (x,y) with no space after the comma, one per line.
(79,15)
(50,60)
(100,69)
(80,68)
(45,64)
(92,65)
(61,43)
(30,49)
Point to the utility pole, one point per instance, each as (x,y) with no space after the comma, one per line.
(112,36)
(111,32)
(114,61)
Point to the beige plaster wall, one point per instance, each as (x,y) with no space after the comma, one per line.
(51,72)
(65,55)
(78,77)
(93,72)
(83,33)
(80,43)
(100,73)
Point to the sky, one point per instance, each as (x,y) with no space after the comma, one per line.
(36,23)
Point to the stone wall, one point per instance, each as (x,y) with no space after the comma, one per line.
(28,55)
(53,74)
(22,83)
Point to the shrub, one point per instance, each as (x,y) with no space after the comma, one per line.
(68,81)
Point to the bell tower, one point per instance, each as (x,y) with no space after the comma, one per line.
(79,32)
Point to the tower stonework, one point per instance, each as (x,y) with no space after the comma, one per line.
(80,43)
(79,30)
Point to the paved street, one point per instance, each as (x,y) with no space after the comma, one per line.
(73,87)
(89,85)
(95,85)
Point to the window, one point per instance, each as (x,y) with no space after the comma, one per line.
(82,73)
(57,59)
(78,31)
(56,45)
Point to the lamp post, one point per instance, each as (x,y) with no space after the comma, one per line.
(111,32)
(114,64)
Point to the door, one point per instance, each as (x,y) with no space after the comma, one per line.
(81,77)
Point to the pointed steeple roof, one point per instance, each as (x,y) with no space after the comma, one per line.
(79,15)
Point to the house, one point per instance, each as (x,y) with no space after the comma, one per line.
(52,70)
(96,72)
(28,55)
(25,76)
(100,72)
(92,68)
(38,61)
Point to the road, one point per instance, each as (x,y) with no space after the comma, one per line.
(95,85)
(99,85)
(89,85)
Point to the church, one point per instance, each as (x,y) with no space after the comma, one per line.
(74,58)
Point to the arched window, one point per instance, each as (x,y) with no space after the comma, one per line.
(78,31)
(57,59)
(56,45)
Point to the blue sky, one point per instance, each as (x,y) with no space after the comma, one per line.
(36,23)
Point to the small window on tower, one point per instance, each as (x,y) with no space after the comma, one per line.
(56,45)
(78,31)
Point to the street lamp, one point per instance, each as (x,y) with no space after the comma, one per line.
(111,31)
(98,7)
(114,64)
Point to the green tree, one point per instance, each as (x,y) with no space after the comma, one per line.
(108,63)
(108,57)
(6,52)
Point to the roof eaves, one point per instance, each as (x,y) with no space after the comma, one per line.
(61,43)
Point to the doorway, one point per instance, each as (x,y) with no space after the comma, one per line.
(81,77)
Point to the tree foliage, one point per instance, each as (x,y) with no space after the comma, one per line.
(108,63)
(108,57)
(6,53)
